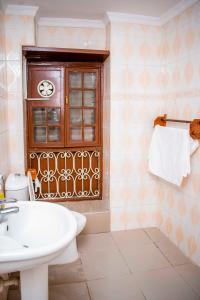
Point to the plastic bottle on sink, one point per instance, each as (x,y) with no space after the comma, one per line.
(2,195)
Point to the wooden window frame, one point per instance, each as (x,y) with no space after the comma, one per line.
(97,109)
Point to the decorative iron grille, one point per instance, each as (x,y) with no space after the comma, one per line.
(67,174)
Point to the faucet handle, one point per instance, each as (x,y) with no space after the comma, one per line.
(9,210)
(9,200)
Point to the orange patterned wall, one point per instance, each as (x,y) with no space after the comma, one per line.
(136,98)
(180,207)
(69,37)
(19,30)
(4,162)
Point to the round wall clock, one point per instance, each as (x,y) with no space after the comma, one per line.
(46,88)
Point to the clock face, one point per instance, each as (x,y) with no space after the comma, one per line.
(46,88)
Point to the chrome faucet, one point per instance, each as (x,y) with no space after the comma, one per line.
(8,210)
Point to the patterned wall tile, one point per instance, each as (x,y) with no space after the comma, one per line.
(83,38)
(19,30)
(4,134)
(180,207)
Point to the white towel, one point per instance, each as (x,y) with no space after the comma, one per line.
(169,153)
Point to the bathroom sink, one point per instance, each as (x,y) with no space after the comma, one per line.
(31,239)
(35,235)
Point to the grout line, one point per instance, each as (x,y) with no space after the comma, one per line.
(95,279)
(131,273)
(88,290)
(121,254)
(155,244)
(172,265)
(181,276)
(149,236)
(166,238)
(86,279)
(145,298)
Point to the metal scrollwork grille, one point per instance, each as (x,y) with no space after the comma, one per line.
(67,174)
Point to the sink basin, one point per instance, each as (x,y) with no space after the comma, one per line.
(33,237)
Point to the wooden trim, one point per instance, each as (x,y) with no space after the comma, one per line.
(101,125)
(59,149)
(34,54)
(27,49)
(68,64)
(74,199)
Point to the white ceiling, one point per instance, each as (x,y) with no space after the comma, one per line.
(96,9)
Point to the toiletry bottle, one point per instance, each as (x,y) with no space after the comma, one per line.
(1,188)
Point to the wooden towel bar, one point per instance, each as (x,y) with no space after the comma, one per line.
(194,125)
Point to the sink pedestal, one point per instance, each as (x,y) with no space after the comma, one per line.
(34,283)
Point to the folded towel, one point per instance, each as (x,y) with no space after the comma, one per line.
(169,153)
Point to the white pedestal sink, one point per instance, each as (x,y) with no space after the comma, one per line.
(31,239)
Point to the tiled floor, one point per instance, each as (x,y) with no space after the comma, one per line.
(125,265)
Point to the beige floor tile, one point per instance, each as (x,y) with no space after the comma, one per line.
(67,273)
(171,251)
(155,234)
(164,284)
(131,238)
(70,291)
(105,263)
(93,242)
(191,274)
(144,258)
(119,288)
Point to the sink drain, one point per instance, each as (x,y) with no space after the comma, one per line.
(25,246)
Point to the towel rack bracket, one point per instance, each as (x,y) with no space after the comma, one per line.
(195,129)
(160,120)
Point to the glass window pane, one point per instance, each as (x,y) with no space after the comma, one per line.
(40,134)
(53,115)
(89,116)
(89,98)
(89,134)
(76,117)
(90,80)
(76,134)
(53,134)
(39,116)
(75,98)
(75,80)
